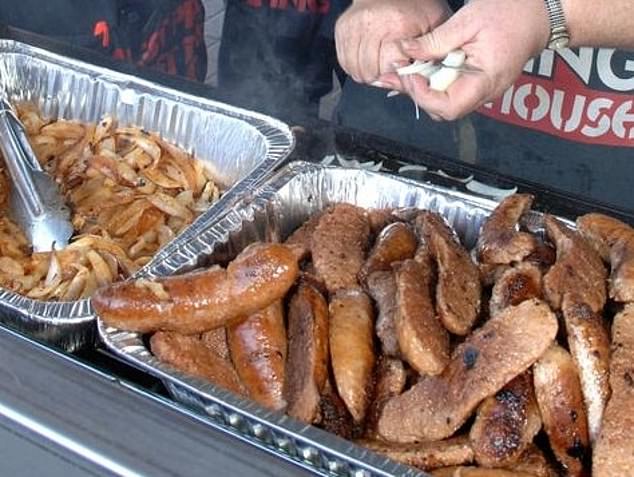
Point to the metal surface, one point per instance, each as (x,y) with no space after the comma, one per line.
(99,425)
(37,205)
(273,212)
(240,147)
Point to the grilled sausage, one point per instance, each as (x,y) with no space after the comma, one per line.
(543,257)
(302,238)
(589,346)
(423,341)
(427,455)
(499,242)
(491,273)
(258,351)
(382,288)
(505,346)
(351,348)
(396,242)
(578,269)
(614,240)
(339,244)
(216,340)
(522,282)
(458,289)
(197,302)
(191,355)
(534,462)
(506,424)
(390,377)
(380,218)
(560,401)
(614,450)
(307,362)
(333,413)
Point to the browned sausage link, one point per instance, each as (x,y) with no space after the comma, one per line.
(614,240)
(351,349)
(380,218)
(458,292)
(258,351)
(339,245)
(302,238)
(191,355)
(614,449)
(491,273)
(522,282)
(216,340)
(602,232)
(534,462)
(499,241)
(382,288)
(390,377)
(427,455)
(578,269)
(307,361)
(543,257)
(333,414)
(200,301)
(589,346)
(422,339)
(506,423)
(396,242)
(560,401)
(490,357)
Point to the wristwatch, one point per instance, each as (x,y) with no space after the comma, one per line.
(559,36)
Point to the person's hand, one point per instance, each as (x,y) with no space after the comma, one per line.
(367,34)
(498,36)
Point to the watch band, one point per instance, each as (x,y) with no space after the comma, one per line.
(559,36)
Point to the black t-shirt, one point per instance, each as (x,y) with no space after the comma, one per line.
(278,56)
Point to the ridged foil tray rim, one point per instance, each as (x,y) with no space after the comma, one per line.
(131,348)
(277,135)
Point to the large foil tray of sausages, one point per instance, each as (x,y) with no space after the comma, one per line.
(239,148)
(360,323)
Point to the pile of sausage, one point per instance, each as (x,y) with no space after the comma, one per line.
(379,326)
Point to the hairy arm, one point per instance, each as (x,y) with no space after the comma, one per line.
(600,24)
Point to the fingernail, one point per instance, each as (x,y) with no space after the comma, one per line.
(380,84)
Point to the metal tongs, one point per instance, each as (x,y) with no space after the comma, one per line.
(37,205)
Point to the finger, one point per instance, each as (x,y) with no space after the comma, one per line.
(391,57)
(465,95)
(389,81)
(353,55)
(436,44)
(368,58)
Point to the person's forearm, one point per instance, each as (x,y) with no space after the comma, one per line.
(600,23)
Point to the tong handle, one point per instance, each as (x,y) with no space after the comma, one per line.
(19,165)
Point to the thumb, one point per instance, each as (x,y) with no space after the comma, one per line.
(437,43)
